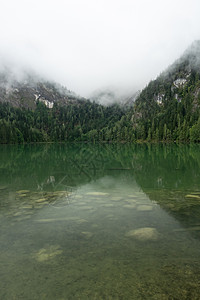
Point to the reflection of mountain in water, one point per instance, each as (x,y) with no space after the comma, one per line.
(155,167)
(168,174)
(32,166)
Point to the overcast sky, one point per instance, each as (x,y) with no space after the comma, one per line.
(91,44)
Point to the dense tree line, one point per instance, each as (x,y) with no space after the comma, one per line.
(177,116)
(87,121)
(83,121)
(163,111)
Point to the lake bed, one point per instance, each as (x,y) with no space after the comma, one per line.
(100,222)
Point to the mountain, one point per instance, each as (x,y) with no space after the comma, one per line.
(169,107)
(24,89)
(35,110)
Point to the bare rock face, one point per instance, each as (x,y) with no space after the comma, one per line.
(178,83)
(28,88)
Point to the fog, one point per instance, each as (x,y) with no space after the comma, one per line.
(89,45)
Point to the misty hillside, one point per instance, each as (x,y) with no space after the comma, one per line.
(169,106)
(168,109)
(24,89)
(35,110)
(111,96)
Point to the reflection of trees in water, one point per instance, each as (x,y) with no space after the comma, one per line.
(71,164)
(170,175)
(167,166)
(180,205)
(166,173)
(155,166)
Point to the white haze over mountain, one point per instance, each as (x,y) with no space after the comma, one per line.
(88,45)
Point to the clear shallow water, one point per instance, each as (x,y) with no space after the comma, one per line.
(99,222)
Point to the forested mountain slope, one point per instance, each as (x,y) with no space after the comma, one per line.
(24,88)
(35,110)
(169,107)
(78,121)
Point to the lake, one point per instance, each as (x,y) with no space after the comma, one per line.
(112,221)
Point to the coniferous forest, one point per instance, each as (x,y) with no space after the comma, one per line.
(86,121)
(167,109)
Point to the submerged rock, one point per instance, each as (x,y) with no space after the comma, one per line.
(131,201)
(57,219)
(116,198)
(78,196)
(48,253)
(22,191)
(19,213)
(40,200)
(86,207)
(133,205)
(80,221)
(97,194)
(144,207)
(27,207)
(144,234)
(22,195)
(87,234)
(192,196)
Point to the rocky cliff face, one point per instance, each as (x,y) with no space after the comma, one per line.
(25,90)
(180,83)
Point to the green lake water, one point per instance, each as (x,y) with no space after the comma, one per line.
(99,222)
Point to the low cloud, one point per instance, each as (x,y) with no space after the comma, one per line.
(90,45)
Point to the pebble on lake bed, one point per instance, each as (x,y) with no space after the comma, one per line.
(116,198)
(22,191)
(144,207)
(48,253)
(78,196)
(87,234)
(144,234)
(86,207)
(97,194)
(192,196)
(129,205)
(40,200)
(80,221)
